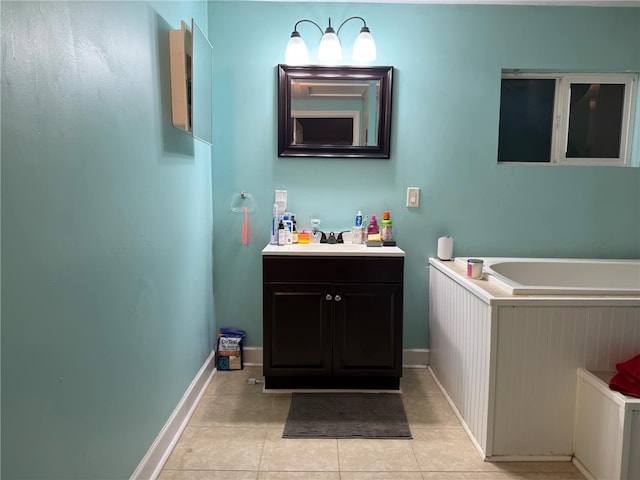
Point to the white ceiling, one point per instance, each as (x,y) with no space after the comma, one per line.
(575,3)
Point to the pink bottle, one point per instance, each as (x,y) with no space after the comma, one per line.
(373,228)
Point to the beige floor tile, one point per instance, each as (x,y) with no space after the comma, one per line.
(219,448)
(380,476)
(429,411)
(207,475)
(299,476)
(463,476)
(279,410)
(298,455)
(376,456)
(234,382)
(240,410)
(185,441)
(236,434)
(173,461)
(447,450)
(418,381)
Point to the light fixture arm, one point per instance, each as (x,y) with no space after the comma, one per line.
(351,18)
(295,27)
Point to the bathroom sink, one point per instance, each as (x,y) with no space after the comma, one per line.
(335,249)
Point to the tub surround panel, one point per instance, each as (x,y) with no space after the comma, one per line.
(539,350)
(533,351)
(634,446)
(606,423)
(460,351)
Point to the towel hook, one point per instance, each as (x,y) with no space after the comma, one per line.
(241,201)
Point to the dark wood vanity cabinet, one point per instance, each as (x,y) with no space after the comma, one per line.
(332,322)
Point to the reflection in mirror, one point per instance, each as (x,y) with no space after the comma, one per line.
(202,86)
(334,111)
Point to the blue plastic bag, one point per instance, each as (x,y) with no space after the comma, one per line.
(229,349)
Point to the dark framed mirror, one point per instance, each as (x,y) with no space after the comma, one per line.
(334,111)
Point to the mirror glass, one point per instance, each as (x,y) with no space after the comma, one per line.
(202,85)
(334,111)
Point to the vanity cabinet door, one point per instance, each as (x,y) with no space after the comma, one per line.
(368,329)
(297,328)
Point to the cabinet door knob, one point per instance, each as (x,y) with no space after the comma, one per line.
(328,297)
(338,298)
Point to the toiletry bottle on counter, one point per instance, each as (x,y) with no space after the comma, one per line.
(273,240)
(316,234)
(281,234)
(357,231)
(295,229)
(359,219)
(373,228)
(288,230)
(385,224)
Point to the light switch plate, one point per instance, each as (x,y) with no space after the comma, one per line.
(413,197)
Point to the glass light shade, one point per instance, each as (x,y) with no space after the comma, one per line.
(364,49)
(330,50)
(296,53)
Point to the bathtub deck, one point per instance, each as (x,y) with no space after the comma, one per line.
(493,292)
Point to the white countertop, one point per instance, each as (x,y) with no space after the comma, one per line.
(333,250)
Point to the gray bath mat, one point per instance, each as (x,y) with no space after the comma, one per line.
(347,415)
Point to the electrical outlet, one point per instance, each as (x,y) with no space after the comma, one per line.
(281,199)
(413,197)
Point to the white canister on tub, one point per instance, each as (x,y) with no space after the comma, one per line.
(445,247)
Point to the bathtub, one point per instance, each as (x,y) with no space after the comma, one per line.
(547,276)
(505,349)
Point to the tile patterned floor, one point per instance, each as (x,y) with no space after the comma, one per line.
(236,434)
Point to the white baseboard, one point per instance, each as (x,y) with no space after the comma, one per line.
(155,458)
(415,358)
(583,469)
(411,357)
(252,356)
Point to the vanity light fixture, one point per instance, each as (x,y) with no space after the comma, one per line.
(330,50)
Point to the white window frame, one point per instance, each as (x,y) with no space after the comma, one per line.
(560,132)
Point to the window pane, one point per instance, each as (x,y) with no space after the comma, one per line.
(526,120)
(595,120)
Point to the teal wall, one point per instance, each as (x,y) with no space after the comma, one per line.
(448,62)
(108,213)
(107,310)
